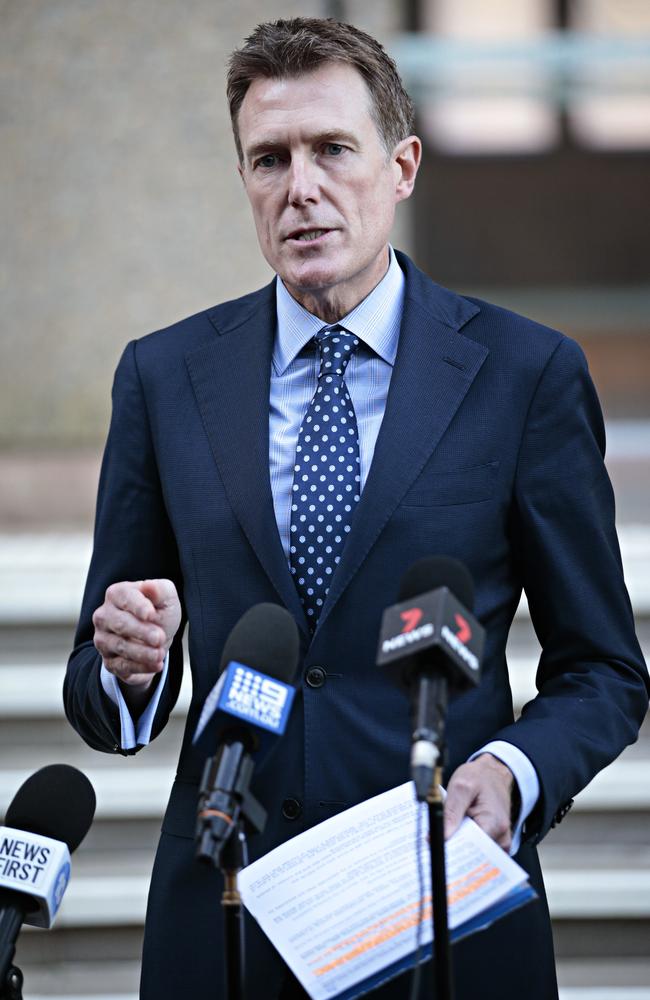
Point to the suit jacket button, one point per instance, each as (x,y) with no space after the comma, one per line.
(315,677)
(291,809)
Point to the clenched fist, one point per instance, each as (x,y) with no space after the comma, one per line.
(134,628)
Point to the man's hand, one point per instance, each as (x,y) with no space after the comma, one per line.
(134,628)
(481,789)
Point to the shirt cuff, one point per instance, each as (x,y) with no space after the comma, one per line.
(524,774)
(133,734)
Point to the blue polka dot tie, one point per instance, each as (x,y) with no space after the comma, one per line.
(326,481)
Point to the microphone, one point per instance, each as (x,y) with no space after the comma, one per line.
(430,643)
(243,715)
(48,818)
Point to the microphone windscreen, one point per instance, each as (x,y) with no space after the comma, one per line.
(58,802)
(438,571)
(266,639)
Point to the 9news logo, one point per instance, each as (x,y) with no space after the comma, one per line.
(257,698)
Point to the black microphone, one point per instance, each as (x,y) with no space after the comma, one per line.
(431,643)
(48,818)
(243,715)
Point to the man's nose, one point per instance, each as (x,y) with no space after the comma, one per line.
(303,181)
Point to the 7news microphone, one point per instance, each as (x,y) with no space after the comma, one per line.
(431,643)
(243,715)
(48,818)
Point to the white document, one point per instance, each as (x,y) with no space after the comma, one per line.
(341,902)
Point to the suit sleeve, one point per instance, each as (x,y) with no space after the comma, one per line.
(133,541)
(592,680)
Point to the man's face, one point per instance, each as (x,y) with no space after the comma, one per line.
(322,188)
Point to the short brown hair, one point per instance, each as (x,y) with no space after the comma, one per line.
(288,48)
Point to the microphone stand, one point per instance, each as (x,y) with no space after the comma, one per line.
(226,809)
(430,728)
(12,988)
(11,919)
(441,945)
(231,862)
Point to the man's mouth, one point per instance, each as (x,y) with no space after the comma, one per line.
(307,235)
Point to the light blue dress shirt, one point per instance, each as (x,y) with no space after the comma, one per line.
(294,375)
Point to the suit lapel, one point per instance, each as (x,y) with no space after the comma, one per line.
(434,369)
(230,377)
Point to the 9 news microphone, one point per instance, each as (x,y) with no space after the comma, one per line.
(48,818)
(430,642)
(243,715)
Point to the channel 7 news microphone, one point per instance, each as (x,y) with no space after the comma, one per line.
(431,643)
(48,818)
(243,715)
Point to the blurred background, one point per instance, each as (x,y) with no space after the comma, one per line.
(123,211)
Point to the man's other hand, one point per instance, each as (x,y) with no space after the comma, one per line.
(134,629)
(481,789)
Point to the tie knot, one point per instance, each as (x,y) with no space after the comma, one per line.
(336,347)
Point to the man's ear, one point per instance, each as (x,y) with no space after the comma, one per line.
(406,159)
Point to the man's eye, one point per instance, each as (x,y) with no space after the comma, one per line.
(334,148)
(267,161)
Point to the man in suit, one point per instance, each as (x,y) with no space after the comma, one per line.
(469,432)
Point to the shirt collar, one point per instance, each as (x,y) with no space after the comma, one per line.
(375,320)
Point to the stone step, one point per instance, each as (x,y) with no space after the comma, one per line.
(604,993)
(142,792)
(566,993)
(587,894)
(33,690)
(42,575)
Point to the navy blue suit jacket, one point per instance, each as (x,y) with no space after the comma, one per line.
(490,451)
